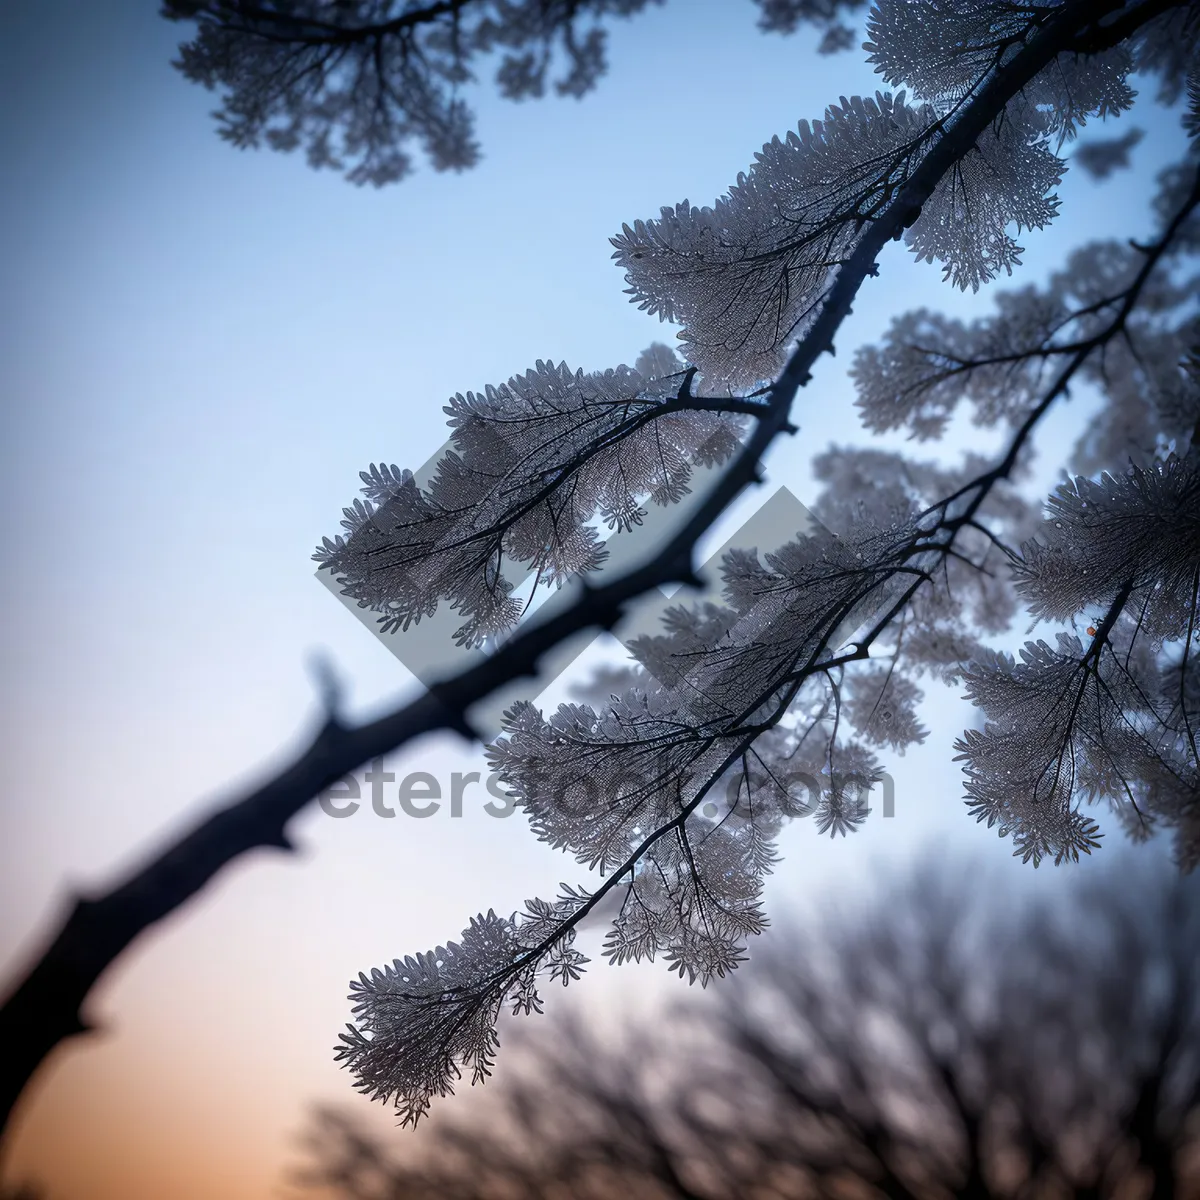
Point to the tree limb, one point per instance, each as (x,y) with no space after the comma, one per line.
(45,1007)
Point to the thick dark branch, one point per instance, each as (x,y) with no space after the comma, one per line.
(46,1006)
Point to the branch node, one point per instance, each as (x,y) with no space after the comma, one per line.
(685,388)
(328,684)
(459,723)
(279,840)
(609,618)
(455,718)
(75,1025)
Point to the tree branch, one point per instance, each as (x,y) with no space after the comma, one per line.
(45,1007)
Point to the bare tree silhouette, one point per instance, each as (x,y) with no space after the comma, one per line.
(938,1042)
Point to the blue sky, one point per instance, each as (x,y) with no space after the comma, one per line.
(199,351)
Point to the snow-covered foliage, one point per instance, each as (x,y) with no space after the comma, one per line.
(674,778)
(534,461)
(355,83)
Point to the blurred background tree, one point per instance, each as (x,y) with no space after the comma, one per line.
(926,1045)
(357,82)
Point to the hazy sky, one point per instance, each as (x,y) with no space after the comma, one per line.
(200,350)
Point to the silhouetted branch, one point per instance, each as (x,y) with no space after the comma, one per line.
(46,1006)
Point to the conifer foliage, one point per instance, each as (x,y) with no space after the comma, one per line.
(677,780)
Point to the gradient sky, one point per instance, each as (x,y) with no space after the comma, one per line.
(199,351)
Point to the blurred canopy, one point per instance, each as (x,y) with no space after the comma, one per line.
(356,82)
(929,1045)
